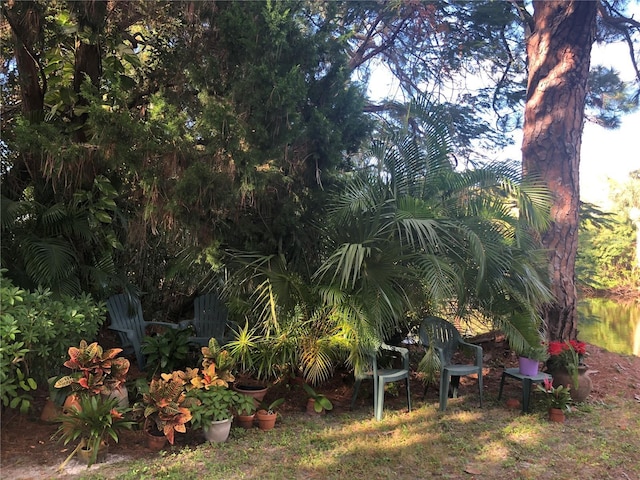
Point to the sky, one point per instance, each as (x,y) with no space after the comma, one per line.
(605,154)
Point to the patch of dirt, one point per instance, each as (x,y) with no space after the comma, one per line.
(28,450)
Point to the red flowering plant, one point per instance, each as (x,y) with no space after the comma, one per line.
(555,397)
(566,355)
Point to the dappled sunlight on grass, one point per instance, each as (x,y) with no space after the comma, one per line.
(491,443)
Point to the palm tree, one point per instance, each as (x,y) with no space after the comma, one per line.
(410,233)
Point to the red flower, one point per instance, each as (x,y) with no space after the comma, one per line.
(579,347)
(556,348)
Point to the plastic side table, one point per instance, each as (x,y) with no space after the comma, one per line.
(527,382)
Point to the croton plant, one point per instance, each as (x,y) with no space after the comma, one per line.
(94,370)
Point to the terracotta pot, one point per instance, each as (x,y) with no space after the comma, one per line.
(245,421)
(72,401)
(256,391)
(556,415)
(155,440)
(562,377)
(50,412)
(218,430)
(266,421)
(311,409)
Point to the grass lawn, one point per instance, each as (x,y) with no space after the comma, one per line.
(599,440)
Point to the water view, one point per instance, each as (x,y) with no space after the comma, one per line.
(611,325)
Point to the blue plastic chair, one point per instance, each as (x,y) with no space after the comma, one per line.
(210,320)
(446,340)
(125,312)
(382,376)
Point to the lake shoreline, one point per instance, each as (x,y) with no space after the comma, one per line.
(620,294)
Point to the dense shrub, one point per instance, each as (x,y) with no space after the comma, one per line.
(36,330)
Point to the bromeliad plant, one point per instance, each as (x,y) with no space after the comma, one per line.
(566,355)
(555,397)
(93,423)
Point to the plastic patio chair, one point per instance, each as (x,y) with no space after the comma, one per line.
(446,340)
(209,321)
(382,376)
(127,320)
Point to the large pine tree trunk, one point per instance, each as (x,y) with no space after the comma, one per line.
(559,51)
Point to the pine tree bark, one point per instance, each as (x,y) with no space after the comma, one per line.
(559,51)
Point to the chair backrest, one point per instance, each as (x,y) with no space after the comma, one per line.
(439,333)
(126,312)
(210,316)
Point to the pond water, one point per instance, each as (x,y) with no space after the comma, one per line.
(611,325)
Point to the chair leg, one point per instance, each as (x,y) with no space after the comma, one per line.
(480,387)
(356,387)
(378,400)
(408,395)
(444,390)
(455,384)
(501,385)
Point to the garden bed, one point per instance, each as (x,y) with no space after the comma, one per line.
(28,451)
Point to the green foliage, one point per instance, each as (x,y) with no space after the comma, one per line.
(95,421)
(167,351)
(37,330)
(606,253)
(217,403)
(321,401)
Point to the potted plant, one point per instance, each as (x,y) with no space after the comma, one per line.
(566,365)
(244,349)
(317,402)
(92,424)
(529,360)
(267,415)
(213,410)
(165,408)
(246,411)
(220,358)
(95,371)
(557,399)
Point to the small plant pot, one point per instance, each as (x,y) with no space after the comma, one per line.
(218,430)
(245,421)
(155,440)
(84,454)
(50,412)
(556,415)
(266,421)
(528,366)
(311,408)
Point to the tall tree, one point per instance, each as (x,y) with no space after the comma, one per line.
(559,53)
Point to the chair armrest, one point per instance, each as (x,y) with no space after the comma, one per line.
(185,324)
(131,335)
(477,351)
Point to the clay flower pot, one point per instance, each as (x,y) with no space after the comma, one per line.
(556,415)
(245,421)
(266,420)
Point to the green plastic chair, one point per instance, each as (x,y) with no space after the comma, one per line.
(125,312)
(382,376)
(210,320)
(446,340)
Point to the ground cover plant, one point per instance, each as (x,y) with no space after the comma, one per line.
(598,440)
